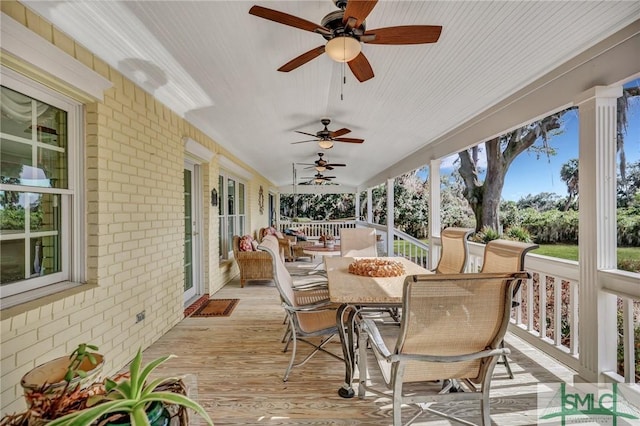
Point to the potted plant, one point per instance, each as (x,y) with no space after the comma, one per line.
(328,240)
(125,399)
(64,374)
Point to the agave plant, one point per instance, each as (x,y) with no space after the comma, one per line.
(132,396)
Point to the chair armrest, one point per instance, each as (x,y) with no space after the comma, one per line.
(375,338)
(253,255)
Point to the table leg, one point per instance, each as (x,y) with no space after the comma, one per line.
(346,333)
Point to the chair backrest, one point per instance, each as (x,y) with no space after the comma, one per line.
(358,242)
(309,321)
(505,255)
(281,275)
(452,315)
(455,251)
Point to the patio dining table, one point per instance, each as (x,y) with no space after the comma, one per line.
(355,293)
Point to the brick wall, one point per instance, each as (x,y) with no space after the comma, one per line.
(134,203)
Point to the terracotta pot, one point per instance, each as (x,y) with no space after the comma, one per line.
(52,373)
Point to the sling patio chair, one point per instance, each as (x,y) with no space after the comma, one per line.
(455,251)
(309,311)
(506,256)
(358,242)
(451,327)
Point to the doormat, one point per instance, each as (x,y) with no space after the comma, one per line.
(216,308)
(196,305)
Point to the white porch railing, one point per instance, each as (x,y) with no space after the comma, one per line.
(314,229)
(547,312)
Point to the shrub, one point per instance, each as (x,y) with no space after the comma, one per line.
(485,235)
(518,233)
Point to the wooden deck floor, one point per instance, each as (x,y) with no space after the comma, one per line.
(236,363)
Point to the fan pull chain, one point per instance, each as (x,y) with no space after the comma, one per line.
(344,81)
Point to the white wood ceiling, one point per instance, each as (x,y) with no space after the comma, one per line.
(215,64)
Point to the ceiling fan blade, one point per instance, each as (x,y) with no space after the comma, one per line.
(285,18)
(305,133)
(348,140)
(293,143)
(407,34)
(361,68)
(339,132)
(302,59)
(359,10)
(335,165)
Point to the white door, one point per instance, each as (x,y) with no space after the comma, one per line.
(191,233)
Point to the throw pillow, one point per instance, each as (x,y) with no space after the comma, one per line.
(254,245)
(245,243)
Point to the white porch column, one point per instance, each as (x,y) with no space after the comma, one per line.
(356,203)
(390,216)
(369,205)
(434,210)
(597,229)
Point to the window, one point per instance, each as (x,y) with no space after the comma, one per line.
(39,169)
(232,212)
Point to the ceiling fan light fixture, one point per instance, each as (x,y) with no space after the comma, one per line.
(320,168)
(343,48)
(325,144)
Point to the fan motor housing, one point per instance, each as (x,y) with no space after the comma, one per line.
(333,21)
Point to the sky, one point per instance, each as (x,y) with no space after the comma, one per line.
(529,174)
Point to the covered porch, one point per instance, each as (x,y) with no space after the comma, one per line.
(123,282)
(237,363)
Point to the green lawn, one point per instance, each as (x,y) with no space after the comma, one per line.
(629,256)
(567,251)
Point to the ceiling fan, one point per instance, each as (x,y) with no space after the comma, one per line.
(326,138)
(345,30)
(317,179)
(321,164)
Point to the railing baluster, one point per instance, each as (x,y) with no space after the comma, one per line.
(573,318)
(530,302)
(557,311)
(628,341)
(542,297)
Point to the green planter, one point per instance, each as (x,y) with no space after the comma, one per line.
(157,414)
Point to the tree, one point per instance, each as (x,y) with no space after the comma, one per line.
(484,196)
(569,175)
(540,202)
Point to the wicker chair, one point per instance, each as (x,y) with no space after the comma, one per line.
(286,244)
(253,265)
(455,251)
(452,326)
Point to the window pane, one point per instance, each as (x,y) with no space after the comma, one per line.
(220,195)
(12,212)
(12,261)
(231,193)
(45,255)
(16,113)
(28,158)
(51,170)
(241,225)
(240,198)
(45,212)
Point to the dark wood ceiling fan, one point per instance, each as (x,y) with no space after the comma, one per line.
(317,179)
(321,164)
(326,137)
(345,30)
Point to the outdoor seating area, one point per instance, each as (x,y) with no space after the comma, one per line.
(429,212)
(246,387)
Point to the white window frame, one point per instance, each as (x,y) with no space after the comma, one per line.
(72,229)
(227,249)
